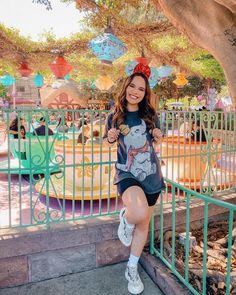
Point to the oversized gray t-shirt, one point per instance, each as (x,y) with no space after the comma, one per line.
(136,157)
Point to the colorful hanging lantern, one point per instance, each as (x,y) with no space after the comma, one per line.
(92,84)
(24,70)
(107,47)
(104,83)
(164,71)
(129,68)
(143,60)
(38,80)
(60,67)
(180,81)
(219,104)
(7,80)
(154,77)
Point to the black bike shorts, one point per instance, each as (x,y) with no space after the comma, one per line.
(128,182)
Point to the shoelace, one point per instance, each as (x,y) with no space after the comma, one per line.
(127,230)
(133,274)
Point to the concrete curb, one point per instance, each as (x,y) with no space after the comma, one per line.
(162,276)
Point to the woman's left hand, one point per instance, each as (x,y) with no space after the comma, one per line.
(157,134)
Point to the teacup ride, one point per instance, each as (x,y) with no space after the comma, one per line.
(86,172)
(33,155)
(73,133)
(191,163)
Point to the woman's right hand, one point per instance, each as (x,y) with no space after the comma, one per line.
(113,134)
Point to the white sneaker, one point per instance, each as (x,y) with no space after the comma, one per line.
(135,285)
(125,232)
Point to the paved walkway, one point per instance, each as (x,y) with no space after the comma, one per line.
(108,280)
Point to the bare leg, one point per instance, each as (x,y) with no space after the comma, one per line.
(140,235)
(139,213)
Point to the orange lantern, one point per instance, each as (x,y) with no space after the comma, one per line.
(104,83)
(24,70)
(180,81)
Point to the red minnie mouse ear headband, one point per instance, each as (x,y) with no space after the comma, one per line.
(144,69)
(142,66)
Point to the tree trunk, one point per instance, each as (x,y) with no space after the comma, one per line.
(211,25)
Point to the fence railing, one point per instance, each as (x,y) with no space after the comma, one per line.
(58,171)
(199,149)
(193,253)
(47,178)
(68,175)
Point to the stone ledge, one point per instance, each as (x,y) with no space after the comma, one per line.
(13,271)
(66,235)
(57,237)
(111,252)
(52,264)
(162,276)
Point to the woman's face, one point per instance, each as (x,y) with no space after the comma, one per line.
(135,93)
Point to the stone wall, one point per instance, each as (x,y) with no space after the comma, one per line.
(26,94)
(38,254)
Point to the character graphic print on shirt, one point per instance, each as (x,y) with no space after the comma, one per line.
(138,153)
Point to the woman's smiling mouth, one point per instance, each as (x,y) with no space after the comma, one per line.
(133,97)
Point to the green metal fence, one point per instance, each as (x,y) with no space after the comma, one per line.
(176,246)
(199,149)
(61,177)
(66,176)
(49,178)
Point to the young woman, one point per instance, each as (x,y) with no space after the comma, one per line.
(134,126)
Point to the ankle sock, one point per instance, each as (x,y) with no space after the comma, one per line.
(133,260)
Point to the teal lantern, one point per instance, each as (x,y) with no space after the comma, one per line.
(164,71)
(7,80)
(107,47)
(154,77)
(38,80)
(92,84)
(129,68)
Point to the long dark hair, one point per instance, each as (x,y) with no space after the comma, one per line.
(14,123)
(145,109)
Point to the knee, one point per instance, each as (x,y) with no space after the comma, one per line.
(142,215)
